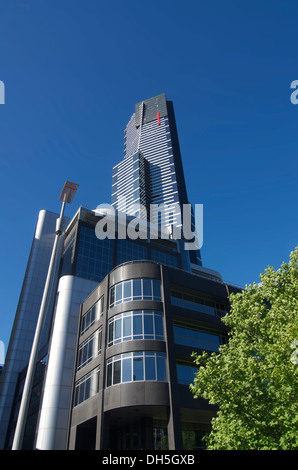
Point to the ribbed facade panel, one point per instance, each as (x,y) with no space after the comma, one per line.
(153,140)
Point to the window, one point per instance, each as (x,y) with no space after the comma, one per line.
(136,366)
(193,433)
(92,315)
(135,289)
(129,251)
(164,258)
(136,324)
(87,386)
(127,290)
(195,338)
(95,257)
(199,304)
(90,348)
(185,373)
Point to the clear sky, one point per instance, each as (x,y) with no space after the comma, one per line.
(73,70)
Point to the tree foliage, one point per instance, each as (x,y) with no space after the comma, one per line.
(253,378)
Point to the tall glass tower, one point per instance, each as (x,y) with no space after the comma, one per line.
(151,173)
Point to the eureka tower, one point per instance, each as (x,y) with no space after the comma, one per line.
(151,172)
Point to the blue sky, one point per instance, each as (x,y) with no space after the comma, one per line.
(73,70)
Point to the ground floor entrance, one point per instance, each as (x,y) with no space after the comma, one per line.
(143,428)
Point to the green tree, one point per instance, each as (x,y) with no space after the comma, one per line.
(253,378)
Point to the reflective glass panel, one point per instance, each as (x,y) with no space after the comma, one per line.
(150,367)
(137,289)
(161,367)
(148,326)
(117,372)
(109,374)
(138,370)
(117,334)
(118,295)
(126,370)
(126,290)
(127,327)
(158,326)
(147,289)
(156,289)
(137,326)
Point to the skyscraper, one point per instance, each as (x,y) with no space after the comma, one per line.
(151,173)
(123,318)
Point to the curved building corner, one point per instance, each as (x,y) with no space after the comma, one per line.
(133,369)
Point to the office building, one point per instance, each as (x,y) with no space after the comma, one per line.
(21,339)
(137,332)
(123,316)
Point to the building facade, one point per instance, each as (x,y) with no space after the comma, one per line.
(137,331)
(18,351)
(123,317)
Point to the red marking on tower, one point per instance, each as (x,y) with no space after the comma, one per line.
(158,118)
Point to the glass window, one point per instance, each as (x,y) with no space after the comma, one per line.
(196,338)
(165,258)
(156,289)
(118,332)
(127,290)
(199,304)
(158,326)
(118,293)
(147,288)
(136,366)
(117,372)
(136,324)
(126,370)
(109,374)
(112,296)
(160,367)
(92,316)
(186,373)
(89,349)
(150,367)
(138,370)
(136,289)
(87,386)
(129,251)
(127,326)
(148,327)
(91,253)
